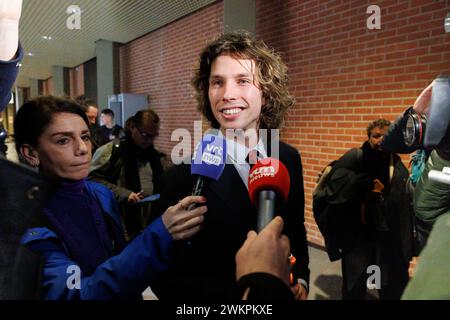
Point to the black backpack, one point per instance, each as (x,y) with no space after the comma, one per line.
(328,215)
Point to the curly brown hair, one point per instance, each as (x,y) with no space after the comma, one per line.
(379,123)
(271,76)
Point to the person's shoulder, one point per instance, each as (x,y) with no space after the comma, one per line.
(37,234)
(105,150)
(288,147)
(288,152)
(351,159)
(99,188)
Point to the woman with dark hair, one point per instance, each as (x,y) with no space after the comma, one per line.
(79,232)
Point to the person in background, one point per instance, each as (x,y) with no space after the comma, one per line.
(130,168)
(108,129)
(91,109)
(369,221)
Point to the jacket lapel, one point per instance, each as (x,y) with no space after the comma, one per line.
(230,189)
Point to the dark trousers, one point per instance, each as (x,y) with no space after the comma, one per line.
(397,280)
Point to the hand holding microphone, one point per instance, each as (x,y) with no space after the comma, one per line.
(183,223)
(265,252)
(184,219)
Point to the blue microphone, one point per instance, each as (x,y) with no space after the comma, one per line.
(208,161)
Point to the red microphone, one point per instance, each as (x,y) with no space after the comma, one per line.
(268,186)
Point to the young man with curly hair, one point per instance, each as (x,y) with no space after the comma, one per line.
(241,88)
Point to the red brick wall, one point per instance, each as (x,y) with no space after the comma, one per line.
(161,65)
(343,75)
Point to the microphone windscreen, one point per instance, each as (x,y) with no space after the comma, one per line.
(439,118)
(209,156)
(269,174)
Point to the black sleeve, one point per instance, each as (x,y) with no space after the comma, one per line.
(173,185)
(393,141)
(263,286)
(293,213)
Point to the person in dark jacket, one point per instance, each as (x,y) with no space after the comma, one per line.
(241,85)
(370,223)
(79,232)
(131,167)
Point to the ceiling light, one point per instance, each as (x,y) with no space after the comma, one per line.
(30,54)
(47,37)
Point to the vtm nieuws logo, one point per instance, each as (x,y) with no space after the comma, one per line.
(258,173)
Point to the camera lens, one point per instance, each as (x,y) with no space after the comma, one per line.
(414,128)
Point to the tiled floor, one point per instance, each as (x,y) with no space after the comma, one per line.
(325,278)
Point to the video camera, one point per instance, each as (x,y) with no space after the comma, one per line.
(422,130)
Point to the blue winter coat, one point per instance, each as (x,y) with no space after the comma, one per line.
(123,276)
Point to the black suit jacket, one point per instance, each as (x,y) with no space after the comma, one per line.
(205,266)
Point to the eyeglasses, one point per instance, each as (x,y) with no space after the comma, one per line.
(146,135)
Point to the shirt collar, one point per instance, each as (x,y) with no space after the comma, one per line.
(238,152)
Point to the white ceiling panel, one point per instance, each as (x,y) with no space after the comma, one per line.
(115,20)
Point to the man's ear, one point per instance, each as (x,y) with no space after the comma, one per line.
(30,155)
